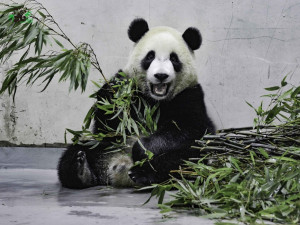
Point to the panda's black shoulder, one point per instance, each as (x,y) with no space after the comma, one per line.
(106,91)
(191,95)
(191,102)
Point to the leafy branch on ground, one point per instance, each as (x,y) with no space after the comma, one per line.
(29,30)
(249,174)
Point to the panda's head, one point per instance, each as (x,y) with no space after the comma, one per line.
(162,60)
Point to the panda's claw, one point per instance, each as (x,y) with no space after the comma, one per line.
(84,173)
(140,177)
(81,161)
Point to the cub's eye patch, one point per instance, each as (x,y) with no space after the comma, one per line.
(176,62)
(148,60)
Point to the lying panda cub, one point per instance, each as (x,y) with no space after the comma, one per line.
(162,61)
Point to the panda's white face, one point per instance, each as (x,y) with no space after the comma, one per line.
(162,63)
(160,76)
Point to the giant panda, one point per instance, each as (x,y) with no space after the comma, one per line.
(162,62)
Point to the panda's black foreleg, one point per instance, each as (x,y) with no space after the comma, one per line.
(170,147)
(158,169)
(74,170)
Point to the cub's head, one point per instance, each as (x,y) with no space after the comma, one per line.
(162,59)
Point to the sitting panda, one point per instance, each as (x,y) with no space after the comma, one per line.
(162,62)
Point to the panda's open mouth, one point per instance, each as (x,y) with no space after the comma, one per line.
(160,89)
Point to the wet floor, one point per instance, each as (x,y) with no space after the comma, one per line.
(34,196)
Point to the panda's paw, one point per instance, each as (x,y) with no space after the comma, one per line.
(81,162)
(141,176)
(83,171)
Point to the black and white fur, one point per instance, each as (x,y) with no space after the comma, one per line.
(162,61)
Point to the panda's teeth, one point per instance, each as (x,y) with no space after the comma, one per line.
(160,89)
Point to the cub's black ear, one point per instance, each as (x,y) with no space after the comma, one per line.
(192,37)
(137,29)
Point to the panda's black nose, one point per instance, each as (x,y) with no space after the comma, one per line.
(161,76)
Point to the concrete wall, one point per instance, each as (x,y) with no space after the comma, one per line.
(247,45)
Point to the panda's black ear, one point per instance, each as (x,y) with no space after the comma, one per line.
(192,37)
(137,29)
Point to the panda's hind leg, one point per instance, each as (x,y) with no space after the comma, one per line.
(74,170)
(83,170)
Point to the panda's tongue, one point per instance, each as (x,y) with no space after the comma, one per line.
(160,89)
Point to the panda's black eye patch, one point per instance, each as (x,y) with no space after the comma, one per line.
(148,60)
(175,61)
(174,57)
(150,55)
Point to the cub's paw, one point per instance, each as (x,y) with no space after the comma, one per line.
(84,173)
(81,162)
(142,176)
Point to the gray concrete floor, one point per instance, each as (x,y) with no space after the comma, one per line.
(30,194)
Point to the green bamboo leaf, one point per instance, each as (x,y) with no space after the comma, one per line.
(285,95)
(72,75)
(129,125)
(83,68)
(10,48)
(295,92)
(116,114)
(283,82)
(77,74)
(260,110)
(49,78)
(33,32)
(39,42)
(42,14)
(88,118)
(12,8)
(252,157)
(122,74)
(58,43)
(96,84)
(251,106)
(153,110)
(77,133)
(264,153)
(8,81)
(61,63)
(282,158)
(135,127)
(29,60)
(32,75)
(271,114)
(42,74)
(24,55)
(88,65)
(274,88)
(235,163)
(149,154)
(161,198)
